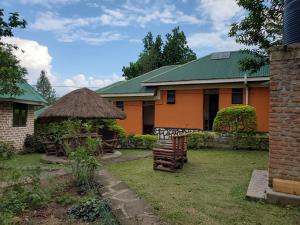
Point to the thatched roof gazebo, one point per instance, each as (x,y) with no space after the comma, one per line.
(82,104)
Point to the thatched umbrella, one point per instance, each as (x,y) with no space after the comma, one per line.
(82,104)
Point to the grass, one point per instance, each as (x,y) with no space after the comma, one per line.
(210,189)
(126,152)
(20,163)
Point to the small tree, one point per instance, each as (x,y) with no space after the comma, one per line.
(11,73)
(44,87)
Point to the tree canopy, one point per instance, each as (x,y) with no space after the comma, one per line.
(44,87)
(11,73)
(260,29)
(156,53)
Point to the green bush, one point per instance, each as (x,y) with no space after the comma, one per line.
(83,168)
(22,197)
(33,143)
(236,119)
(144,141)
(250,141)
(92,209)
(198,140)
(7,150)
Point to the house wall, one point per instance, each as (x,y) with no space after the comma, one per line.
(14,135)
(133,124)
(187,112)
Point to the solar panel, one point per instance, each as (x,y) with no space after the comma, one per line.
(220,55)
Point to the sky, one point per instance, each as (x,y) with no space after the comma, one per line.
(85,43)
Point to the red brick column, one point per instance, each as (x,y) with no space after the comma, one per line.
(284,161)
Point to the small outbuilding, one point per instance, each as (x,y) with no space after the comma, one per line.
(16,115)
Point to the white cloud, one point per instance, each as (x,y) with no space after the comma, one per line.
(34,57)
(128,14)
(91,82)
(49,3)
(214,40)
(219,12)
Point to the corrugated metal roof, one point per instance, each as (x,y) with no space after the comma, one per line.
(208,68)
(29,95)
(134,85)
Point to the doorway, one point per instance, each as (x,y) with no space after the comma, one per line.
(148,117)
(211,107)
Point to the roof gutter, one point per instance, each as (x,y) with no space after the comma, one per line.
(128,95)
(210,81)
(22,101)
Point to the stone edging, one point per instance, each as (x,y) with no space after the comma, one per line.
(126,205)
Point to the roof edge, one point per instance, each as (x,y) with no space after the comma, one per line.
(128,95)
(210,81)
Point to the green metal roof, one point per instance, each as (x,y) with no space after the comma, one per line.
(38,112)
(134,86)
(29,95)
(207,68)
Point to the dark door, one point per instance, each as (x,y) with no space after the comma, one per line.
(148,117)
(211,107)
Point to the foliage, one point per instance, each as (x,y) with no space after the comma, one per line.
(93,145)
(11,72)
(112,125)
(93,209)
(83,167)
(156,53)
(236,119)
(261,29)
(33,144)
(22,197)
(44,87)
(199,140)
(7,150)
(145,141)
(250,141)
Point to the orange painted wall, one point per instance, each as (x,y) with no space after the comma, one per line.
(225,97)
(186,113)
(259,98)
(133,124)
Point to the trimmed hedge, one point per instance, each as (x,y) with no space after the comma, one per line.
(143,141)
(198,140)
(250,141)
(236,119)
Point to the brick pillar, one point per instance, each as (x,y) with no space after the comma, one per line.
(284,161)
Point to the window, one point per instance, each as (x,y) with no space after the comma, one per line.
(19,115)
(237,95)
(120,105)
(171,96)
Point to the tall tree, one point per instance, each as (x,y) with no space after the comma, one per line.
(44,87)
(157,54)
(176,50)
(260,29)
(11,73)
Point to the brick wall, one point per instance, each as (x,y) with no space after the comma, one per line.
(15,135)
(284,132)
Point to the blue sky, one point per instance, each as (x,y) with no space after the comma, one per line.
(86,42)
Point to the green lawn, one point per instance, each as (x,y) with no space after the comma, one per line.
(23,163)
(210,189)
(126,152)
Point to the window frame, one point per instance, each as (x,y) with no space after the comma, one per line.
(237,93)
(18,119)
(120,106)
(171,97)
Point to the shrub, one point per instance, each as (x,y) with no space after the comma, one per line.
(7,150)
(145,141)
(250,141)
(24,196)
(33,144)
(93,209)
(198,140)
(83,167)
(236,119)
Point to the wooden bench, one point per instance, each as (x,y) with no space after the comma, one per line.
(171,155)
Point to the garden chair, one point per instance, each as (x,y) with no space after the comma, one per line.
(171,155)
(110,141)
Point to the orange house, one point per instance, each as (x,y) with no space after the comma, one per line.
(174,99)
